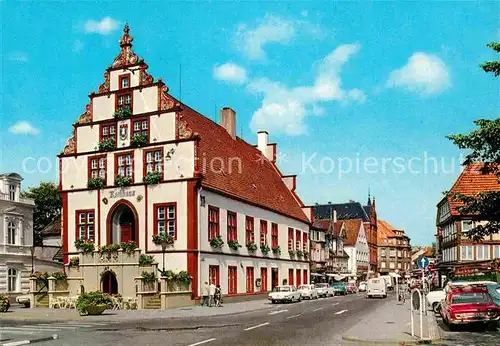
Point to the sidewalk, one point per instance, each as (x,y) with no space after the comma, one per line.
(58,315)
(390,324)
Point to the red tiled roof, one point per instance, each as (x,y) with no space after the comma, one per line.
(384,231)
(352,230)
(470,182)
(323,224)
(258,182)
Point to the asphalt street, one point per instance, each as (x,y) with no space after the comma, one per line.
(317,322)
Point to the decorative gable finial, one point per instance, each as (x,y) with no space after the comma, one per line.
(126,39)
(126,56)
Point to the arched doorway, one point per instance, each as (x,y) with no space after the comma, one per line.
(109,283)
(122,223)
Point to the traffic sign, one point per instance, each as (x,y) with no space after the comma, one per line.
(423,262)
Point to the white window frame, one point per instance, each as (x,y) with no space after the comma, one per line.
(482,252)
(11,232)
(469,253)
(12,192)
(12,280)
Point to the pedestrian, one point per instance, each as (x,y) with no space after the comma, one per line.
(211,292)
(218,296)
(204,294)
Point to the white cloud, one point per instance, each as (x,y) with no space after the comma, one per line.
(425,74)
(18,56)
(252,40)
(23,128)
(231,73)
(284,109)
(102,27)
(77,46)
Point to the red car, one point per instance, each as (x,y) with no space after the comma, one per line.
(469,304)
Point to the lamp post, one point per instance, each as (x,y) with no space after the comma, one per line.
(163,249)
(32,250)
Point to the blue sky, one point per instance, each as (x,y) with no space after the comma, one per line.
(379,83)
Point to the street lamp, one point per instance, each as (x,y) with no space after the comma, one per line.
(32,250)
(163,249)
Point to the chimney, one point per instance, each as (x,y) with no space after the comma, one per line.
(228,120)
(262,141)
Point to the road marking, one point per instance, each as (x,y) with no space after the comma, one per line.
(293,316)
(335,304)
(202,342)
(340,312)
(28,329)
(257,326)
(318,309)
(43,326)
(277,312)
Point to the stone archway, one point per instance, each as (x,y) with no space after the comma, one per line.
(109,284)
(122,223)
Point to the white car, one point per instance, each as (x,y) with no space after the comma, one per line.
(308,292)
(24,300)
(434,298)
(284,294)
(362,286)
(324,290)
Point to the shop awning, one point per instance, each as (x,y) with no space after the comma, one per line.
(316,274)
(394,275)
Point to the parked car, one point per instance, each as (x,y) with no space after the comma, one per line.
(24,300)
(308,292)
(362,286)
(469,304)
(339,288)
(324,290)
(285,293)
(376,288)
(434,298)
(494,291)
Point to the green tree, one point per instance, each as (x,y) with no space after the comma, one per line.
(483,145)
(47,207)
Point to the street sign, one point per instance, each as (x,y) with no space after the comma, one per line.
(423,262)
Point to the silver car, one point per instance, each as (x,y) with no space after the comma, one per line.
(324,290)
(308,292)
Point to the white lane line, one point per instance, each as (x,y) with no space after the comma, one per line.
(52,326)
(293,316)
(257,326)
(318,309)
(27,329)
(277,312)
(202,342)
(86,324)
(335,304)
(340,312)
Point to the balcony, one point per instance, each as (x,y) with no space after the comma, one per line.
(6,197)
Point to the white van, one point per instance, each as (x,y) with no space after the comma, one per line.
(388,281)
(376,287)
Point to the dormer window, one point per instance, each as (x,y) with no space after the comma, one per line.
(12,192)
(124,81)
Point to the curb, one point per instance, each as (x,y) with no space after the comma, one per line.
(31,341)
(391,342)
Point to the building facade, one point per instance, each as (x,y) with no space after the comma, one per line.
(319,253)
(454,247)
(353,211)
(356,247)
(17,256)
(140,163)
(394,249)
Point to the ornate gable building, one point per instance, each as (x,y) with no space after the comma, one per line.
(140,163)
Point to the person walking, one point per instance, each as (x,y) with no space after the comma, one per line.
(211,292)
(204,294)
(218,296)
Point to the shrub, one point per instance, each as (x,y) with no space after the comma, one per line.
(4,303)
(217,242)
(152,178)
(291,253)
(74,261)
(265,249)
(139,140)
(90,299)
(163,239)
(107,144)
(123,112)
(59,276)
(96,183)
(148,277)
(252,247)
(108,249)
(300,254)
(128,247)
(123,180)
(146,260)
(84,246)
(233,244)
(277,250)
